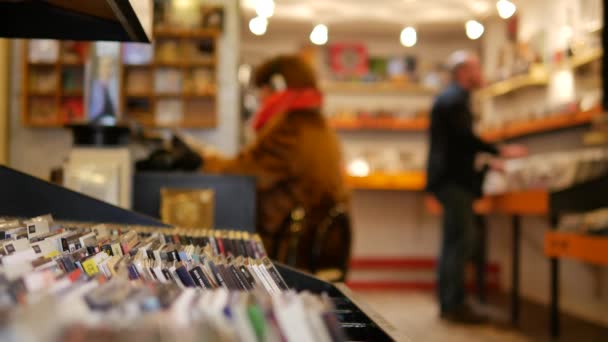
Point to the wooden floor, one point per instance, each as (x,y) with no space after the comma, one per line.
(415,315)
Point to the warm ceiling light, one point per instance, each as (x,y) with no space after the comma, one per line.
(505,8)
(319,35)
(258,25)
(409,37)
(264,8)
(358,168)
(474,29)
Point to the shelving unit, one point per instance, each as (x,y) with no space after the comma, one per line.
(418,124)
(193,106)
(59,98)
(186,105)
(377,88)
(548,124)
(580,198)
(538,76)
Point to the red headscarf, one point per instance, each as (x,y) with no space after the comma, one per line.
(285,101)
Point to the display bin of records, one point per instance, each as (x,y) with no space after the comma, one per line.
(133,279)
(583,197)
(27,196)
(578,199)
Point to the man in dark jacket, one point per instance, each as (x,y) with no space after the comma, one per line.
(452,178)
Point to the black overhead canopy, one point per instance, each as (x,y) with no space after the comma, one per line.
(111,20)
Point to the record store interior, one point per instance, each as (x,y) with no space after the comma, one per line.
(303,170)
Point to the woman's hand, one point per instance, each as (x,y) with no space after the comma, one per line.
(204,150)
(513,151)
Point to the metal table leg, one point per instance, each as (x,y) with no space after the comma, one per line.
(554,297)
(515,262)
(481,258)
(554,308)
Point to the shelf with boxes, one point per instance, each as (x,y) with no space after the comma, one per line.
(387,123)
(171,83)
(538,75)
(78,214)
(547,124)
(378,88)
(53,82)
(513,130)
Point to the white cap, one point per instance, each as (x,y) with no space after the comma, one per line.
(457,59)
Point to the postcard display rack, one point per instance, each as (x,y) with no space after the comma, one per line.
(81,263)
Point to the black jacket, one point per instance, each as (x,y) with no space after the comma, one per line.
(453,144)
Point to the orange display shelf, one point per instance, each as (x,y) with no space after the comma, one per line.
(481,206)
(548,124)
(591,249)
(531,202)
(385,124)
(410,181)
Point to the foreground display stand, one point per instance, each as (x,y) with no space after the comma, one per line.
(27,196)
(580,198)
(360,323)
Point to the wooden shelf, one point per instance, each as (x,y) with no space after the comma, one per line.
(72,93)
(148,121)
(551,123)
(210,93)
(586,58)
(184,64)
(169,64)
(166,32)
(133,66)
(48,124)
(72,63)
(538,75)
(403,181)
(385,124)
(536,78)
(42,64)
(139,94)
(201,63)
(33,92)
(587,248)
(514,130)
(377,88)
(167,95)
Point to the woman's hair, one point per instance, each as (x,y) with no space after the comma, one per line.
(295,71)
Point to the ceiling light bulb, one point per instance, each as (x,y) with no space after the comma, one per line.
(264,8)
(505,8)
(319,35)
(258,25)
(409,37)
(474,29)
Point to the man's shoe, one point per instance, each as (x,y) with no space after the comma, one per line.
(464,315)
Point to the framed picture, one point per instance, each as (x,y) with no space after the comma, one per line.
(349,59)
(103,84)
(187,208)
